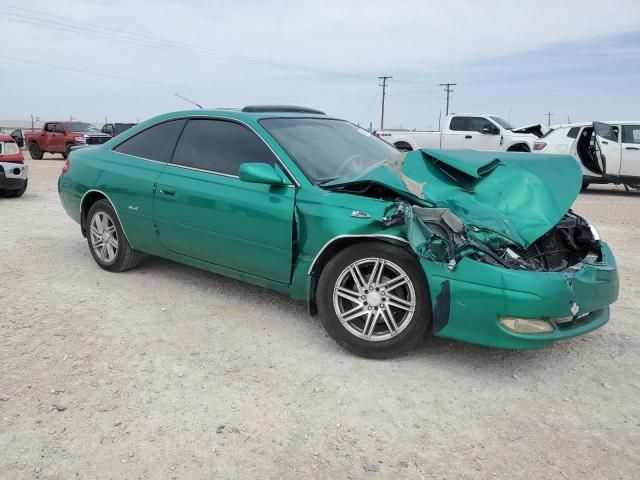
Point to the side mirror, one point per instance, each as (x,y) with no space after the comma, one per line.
(260,173)
(490,130)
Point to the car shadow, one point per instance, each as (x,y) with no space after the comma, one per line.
(609,192)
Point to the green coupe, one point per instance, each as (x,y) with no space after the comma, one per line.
(386,246)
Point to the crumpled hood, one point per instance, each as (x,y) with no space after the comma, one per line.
(519,195)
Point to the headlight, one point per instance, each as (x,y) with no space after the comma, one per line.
(80,139)
(526,325)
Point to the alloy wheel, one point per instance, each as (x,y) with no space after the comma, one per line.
(104,237)
(374,299)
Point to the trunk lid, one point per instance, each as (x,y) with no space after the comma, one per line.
(519,195)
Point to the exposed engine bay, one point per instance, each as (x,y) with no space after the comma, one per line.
(438,234)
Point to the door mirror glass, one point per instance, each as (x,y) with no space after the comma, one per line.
(260,173)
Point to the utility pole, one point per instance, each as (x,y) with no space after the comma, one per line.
(548,115)
(447,88)
(384,79)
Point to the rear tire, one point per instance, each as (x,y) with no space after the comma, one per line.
(371,317)
(34,151)
(67,151)
(107,242)
(585,185)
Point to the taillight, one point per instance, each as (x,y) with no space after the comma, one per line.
(539,145)
(65,167)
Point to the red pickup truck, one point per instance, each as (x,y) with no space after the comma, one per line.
(59,137)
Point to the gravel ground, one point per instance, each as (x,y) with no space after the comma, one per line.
(171,372)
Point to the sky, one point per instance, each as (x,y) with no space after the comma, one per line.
(126,60)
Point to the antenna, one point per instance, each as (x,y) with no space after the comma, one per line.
(187,100)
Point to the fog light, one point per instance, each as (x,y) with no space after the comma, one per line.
(526,325)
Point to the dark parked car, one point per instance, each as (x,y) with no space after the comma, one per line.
(113,129)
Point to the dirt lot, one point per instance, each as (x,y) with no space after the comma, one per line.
(171,372)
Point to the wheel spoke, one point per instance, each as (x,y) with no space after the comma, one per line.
(97,223)
(370,325)
(348,294)
(113,242)
(394,283)
(95,231)
(388,318)
(398,302)
(103,251)
(353,313)
(110,229)
(357,277)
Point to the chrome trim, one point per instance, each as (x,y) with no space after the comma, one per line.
(214,117)
(219,173)
(112,205)
(372,235)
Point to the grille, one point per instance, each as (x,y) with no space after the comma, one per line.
(97,140)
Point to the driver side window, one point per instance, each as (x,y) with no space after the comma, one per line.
(476,124)
(220,146)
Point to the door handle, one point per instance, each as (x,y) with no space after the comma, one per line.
(467,136)
(631,148)
(605,142)
(167,191)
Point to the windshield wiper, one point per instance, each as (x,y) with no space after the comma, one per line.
(322,181)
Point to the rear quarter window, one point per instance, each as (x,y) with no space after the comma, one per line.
(155,143)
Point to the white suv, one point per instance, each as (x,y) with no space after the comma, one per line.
(609,152)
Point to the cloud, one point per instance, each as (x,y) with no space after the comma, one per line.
(326,54)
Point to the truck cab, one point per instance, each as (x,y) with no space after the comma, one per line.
(59,137)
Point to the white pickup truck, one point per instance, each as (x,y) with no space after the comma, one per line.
(468,130)
(609,152)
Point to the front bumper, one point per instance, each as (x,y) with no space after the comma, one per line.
(469,301)
(13,175)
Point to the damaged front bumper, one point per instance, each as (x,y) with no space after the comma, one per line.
(469,301)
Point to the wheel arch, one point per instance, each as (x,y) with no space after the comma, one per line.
(337,244)
(403,145)
(88,199)
(519,147)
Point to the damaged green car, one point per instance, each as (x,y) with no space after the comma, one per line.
(387,247)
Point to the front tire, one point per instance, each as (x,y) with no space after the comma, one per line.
(107,242)
(373,300)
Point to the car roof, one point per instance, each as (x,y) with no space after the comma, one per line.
(240,114)
(585,124)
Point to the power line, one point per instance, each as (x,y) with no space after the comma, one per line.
(384,79)
(159,84)
(151,41)
(447,88)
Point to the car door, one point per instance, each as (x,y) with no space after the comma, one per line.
(481,134)
(56,142)
(630,151)
(454,135)
(608,148)
(18,137)
(47,137)
(204,211)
